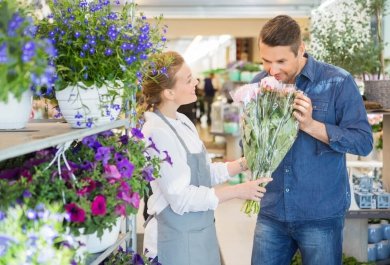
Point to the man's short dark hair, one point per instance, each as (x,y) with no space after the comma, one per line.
(281,31)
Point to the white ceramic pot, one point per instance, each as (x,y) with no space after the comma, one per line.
(94,244)
(15,114)
(88,107)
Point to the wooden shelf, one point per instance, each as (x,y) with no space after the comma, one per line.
(37,136)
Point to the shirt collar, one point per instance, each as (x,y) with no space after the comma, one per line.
(309,69)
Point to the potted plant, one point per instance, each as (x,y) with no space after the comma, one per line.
(129,257)
(341,34)
(97,180)
(25,67)
(376,81)
(101,52)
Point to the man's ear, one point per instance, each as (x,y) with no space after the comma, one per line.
(301,49)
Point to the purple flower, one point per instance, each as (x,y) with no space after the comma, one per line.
(28,51)
(103,154)
(137,259)
(107,134)
(2,216)
(89,185)
(152,145)
(124,139)
(89,140)
(126,168)
(167,158)
(99,205)
(137,133)
(14,24)
(76,213)
(3,53)
(26,194)
(147,173)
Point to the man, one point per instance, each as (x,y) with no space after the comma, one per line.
(305,205)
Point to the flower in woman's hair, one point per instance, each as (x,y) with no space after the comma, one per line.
(76,213)
(99,205)
(167,158)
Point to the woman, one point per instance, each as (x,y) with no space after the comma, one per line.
(182,231)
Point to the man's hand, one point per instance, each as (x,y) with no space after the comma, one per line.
(303,111)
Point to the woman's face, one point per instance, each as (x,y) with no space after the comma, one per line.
(184,87)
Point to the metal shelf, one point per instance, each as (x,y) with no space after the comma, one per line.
(37,136)
(366,214)
(96,259)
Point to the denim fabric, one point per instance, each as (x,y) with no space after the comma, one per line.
(311,182)
(320,242)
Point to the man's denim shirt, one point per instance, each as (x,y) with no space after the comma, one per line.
(311,182)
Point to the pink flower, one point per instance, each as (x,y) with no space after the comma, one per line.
(112,173)
(76,213)
(99,205)
(120,209)
(270,82)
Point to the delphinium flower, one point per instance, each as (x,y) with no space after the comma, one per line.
(268,128)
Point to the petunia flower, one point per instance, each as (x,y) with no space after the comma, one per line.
(99,205)
(137,133)
(147,173)
(76,213)
(126,168)
(152,145)
(167,158)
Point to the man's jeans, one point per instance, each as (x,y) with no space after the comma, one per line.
(320,242)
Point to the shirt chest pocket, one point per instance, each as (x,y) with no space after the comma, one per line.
(320,109)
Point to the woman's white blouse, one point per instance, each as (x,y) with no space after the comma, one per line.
(173,187)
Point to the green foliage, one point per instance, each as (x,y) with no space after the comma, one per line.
(342,34)
(122,257)
(297,260)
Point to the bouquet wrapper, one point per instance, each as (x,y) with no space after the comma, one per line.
(268,128)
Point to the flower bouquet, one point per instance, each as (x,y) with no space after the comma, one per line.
(268,127)
(35,236)
(102,49)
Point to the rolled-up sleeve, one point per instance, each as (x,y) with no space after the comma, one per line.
(352,133)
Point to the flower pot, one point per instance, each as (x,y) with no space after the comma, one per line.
(94,244)
(15,114)
(88,107)
(378,91)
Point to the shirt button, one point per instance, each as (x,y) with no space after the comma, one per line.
(287,190)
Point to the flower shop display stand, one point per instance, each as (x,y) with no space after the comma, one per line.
(356,223)
(41,134)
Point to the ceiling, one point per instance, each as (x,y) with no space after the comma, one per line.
(227,8)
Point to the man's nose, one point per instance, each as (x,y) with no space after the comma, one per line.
(274,70)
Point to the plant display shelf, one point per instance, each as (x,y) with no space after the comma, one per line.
(41,134)
(356,223)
